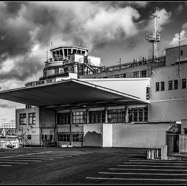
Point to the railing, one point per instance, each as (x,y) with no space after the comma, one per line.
(132,64)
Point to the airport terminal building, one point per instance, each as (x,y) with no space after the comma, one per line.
(78,102)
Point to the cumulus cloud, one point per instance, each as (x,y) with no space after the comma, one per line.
(30,24)
(175,40)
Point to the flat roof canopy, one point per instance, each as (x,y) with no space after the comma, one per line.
(68,93)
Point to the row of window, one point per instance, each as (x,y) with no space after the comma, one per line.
(31,118)
(142,73)
(75,136)
(172,84)
(136,74)
(113,116)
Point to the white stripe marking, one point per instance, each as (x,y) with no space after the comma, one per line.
(14,162)
(143,173)
(5,165)
(157,163)
(149,169)
(136,179)
(26,154)
(151,166)
(161,161)
(24,160)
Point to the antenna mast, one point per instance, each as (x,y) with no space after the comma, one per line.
(154,38)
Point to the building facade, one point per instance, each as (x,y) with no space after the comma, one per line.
(78,102)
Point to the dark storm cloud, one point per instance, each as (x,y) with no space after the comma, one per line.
(13,8)
(23,68)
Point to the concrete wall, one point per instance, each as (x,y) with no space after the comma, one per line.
(93,135)
(139,135)
(168,105)
(32,130)
(166,74)
(183,125)
(132,86)
(172,54)
(169,110)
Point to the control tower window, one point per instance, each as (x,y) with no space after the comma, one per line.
(74,51)
(65,52)
(56,71)
(69,51)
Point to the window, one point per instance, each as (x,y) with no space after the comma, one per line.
(116,116)
(79,117)
(75,136)
(22,119)
(175,84)
(157,86)
(63,136)
(29,137)
(123,75)
(183,83)
(143,73)
(181,52)
(136,74)
(137,114)
(116,76)
(32,118)
(63,118)
(44,137)
(162,88)
(170,85)
(56,71)
(97,116)
(45,73)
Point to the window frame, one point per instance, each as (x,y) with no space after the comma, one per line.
(157,86)
(176,84)
(63,118)
(22,119)
(79,117)
(134,114)
(32,118)
(162,86)
(170,85)
(183,83)
(97,116)
(116,116)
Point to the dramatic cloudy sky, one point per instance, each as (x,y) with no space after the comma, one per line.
(109,29)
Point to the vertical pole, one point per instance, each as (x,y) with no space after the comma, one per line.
(106,118)
(87,115)
(179,57)
(126,114)
(70,129)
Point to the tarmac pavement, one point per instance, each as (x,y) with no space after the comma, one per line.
(41,165)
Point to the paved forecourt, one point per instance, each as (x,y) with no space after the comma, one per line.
(11,157)
(142,171)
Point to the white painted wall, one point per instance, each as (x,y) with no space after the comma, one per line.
(139,135)
(132,86)
(107,135)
